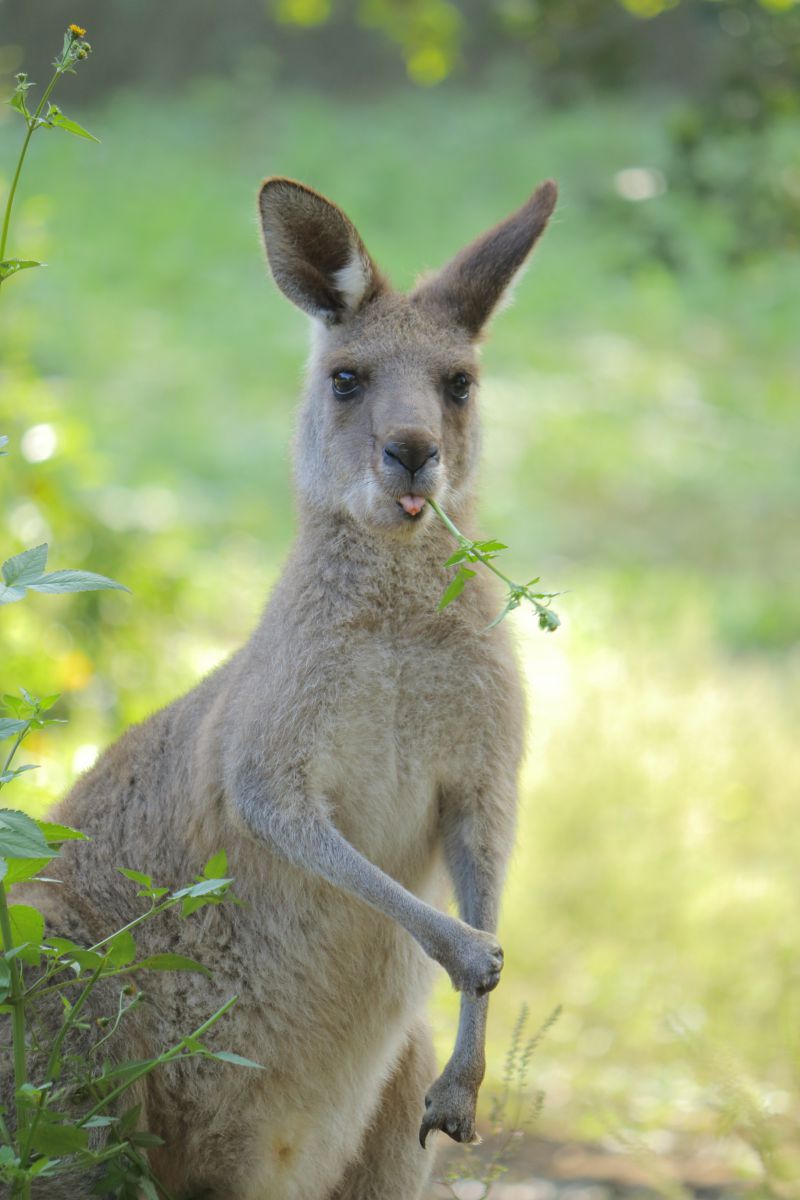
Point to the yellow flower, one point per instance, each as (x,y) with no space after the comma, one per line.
(76,31)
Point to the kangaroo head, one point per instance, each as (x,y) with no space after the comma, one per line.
(390,416)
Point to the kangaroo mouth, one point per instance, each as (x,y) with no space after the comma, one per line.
(411,505)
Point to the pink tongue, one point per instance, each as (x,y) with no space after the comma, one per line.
(412,504)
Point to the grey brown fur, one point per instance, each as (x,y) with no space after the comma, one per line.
(359,745)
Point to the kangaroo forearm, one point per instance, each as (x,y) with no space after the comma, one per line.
(468,1059)
(316,845)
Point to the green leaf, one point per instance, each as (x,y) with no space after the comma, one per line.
(456,558)
(121,949)
(26,567)
(59,1139)
(491,546)
(10,727)
(27,931)
(53,832)
(10,266)
(12,772)
(455,587)
(227,1056)
(136,876)
(5,978)
(216,866)
(17,101)
(20,836)
(20,869)
(87,960)
(75,581)
(58,118)
(171,962)
(62,945)
(203,888)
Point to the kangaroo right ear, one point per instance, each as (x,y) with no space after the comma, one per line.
(316,256)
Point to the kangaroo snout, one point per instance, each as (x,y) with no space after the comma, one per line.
(410,451)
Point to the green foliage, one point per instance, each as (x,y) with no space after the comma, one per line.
(484,552)
(73,51)
(26,570)
(51,1136)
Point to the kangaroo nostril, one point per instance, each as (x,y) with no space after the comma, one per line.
(411,455)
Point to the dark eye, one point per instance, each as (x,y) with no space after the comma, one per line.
(458,386)
(345,384)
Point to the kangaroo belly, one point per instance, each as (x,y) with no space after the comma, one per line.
(327,1000)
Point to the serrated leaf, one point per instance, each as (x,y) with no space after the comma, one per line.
(27,931)
(26,567)
(20,836)
(171,962)
(491,546)
(59,1139)
(121,949)
(216,866)
(53,832)
(58,119)
(17,101)
(455,587)
(456,558)
(75,581)
(12,772)
(20,869)
(203,888)
(10,727)
(136,876)
(9,595)
(87,960)
(237,1059)
(10,266)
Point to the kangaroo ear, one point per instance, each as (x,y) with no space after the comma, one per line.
(475,282)
(316,256)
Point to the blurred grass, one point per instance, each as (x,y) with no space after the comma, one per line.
(641,450)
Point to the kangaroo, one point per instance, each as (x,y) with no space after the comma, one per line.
(361,747)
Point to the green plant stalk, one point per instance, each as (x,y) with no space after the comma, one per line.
(32,125)
(466,543)
(52,1062)
(17,992)
(166,1057)
(23,733)
(17,1018)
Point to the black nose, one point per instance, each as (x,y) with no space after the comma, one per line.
(411,453)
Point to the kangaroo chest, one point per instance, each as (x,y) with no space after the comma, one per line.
(395,728)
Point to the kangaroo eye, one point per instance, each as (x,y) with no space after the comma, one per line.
(458,386)
(345,384)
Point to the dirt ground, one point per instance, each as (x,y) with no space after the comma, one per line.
(540,1169)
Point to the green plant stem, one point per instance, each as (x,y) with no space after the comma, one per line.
(17,1015)
(467,544)
(52,1062)
(32,125)
(23,733)
(166,1057)
(515,589)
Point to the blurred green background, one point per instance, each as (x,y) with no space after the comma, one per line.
(642,419)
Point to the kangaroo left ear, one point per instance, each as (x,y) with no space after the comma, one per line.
(474,283)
